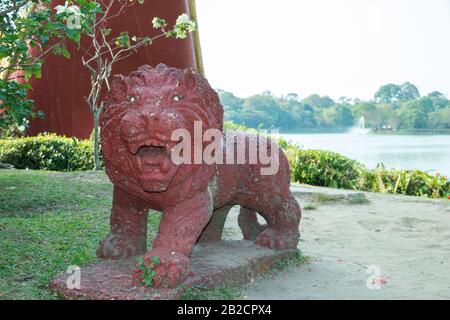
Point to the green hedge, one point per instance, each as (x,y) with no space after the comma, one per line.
(47,152)
(330,169)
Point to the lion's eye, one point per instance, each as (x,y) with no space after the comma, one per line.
(177,98)
(132,98)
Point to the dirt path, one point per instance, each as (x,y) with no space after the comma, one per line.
(404,240)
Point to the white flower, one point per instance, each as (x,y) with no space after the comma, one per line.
(183,18)
(74,10)
(70,9)
(73,13)
(61,9)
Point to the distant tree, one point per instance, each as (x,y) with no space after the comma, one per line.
(439,100)
(368,111)
(232,106)
(387,93)
(424,104)
(317,101)
(390,93)
(414,113)
(338,116)
(292,97)
(230,101)
(304,117)
(344,100)
(344,117)
(408,91)
(403,109)
(439,119)
(261,109)
(300,115)
(385,116)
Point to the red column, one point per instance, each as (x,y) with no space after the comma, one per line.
(65,82)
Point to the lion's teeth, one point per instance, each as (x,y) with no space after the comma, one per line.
(162,137)
(134,148)
(165,166)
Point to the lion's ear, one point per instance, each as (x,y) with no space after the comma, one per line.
(161,67)
(190,78)
(145,68)
(119,88)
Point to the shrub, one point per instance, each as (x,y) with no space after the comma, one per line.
(410,182)
(230,125)
(47,152)
(326,168)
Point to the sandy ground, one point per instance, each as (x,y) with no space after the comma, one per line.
(395,247)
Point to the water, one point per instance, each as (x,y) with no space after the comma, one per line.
(430,153)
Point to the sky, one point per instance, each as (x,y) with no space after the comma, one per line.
(334,47)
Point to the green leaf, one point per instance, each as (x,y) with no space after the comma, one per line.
(4,52)
(106,32)
(156,260)
(123,40)
(74,35)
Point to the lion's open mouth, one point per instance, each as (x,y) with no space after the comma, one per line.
(152,157)
(136,147)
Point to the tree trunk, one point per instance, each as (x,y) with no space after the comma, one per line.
(97,165)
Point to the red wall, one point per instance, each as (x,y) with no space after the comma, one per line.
(65,82)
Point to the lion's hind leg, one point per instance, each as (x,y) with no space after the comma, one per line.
(248,222)
(282,225)
(213,231)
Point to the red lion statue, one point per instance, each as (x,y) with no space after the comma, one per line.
(141,112)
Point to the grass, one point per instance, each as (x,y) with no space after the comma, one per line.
(48,222)
(358,199)
(352,199)
(225,292)
(309,207)
(327,198)
(294,261)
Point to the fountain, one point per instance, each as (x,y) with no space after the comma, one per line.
(360,128)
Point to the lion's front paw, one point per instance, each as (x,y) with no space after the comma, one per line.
(171,268)
(275,239)
(116,246)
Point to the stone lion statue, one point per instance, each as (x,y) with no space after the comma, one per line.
(141,112)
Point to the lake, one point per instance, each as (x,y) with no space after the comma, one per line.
(430,153)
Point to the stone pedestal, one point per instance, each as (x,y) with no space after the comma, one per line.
(212,265)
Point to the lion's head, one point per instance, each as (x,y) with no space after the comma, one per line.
(141,112)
